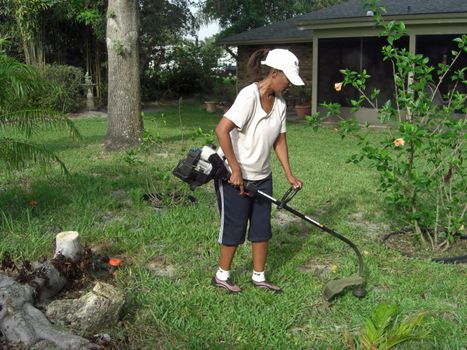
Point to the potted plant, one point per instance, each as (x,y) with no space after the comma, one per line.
(211,106)
(302,101)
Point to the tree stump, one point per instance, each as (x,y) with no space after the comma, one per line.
(68,244)
(20,321)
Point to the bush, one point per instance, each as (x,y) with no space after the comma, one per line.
(421,161)
(67,92)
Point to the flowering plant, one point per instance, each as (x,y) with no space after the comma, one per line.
(420,161)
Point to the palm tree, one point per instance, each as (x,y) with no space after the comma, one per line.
(18,83)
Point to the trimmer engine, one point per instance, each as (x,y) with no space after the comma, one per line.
(201,166)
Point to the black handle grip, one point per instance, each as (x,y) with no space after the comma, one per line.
(291,192)
(250,187)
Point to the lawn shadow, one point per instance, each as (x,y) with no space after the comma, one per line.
(68,143)
(49,198)
(191,139)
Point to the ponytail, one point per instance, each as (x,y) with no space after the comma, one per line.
(254,64)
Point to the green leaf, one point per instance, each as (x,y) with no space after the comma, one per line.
(30,120)
(384,330)
(19,81)
(18,153)
(375,93)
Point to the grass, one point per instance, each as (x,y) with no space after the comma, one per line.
(102,199)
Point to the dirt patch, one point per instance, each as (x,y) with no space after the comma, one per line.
(119,195)
(109,216)
(407,244)
(371,229)
(318,268)
(167,200)
(282,218)
(160,267)
(404,241)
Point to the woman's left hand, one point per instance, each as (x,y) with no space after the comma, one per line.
(296,183)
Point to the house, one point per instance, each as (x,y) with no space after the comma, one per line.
(345,36)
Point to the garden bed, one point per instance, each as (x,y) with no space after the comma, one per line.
(409,245)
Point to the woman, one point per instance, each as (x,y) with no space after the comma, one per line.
(249,129)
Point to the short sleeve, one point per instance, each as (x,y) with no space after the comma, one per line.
(243,108)
(283,126)
(283,116)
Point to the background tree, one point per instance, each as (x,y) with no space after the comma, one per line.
(27,17)
(75,34)
(125,125)
(68,33)
(185,68)
(163,23)
(236,16)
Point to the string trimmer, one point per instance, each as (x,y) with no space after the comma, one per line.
(203,165)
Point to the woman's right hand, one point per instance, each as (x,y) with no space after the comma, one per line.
(236,179)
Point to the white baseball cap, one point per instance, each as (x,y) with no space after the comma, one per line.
(285,61)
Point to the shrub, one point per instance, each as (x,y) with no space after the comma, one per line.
(67,94)
(420,162)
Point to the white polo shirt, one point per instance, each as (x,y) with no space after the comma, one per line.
(256,131)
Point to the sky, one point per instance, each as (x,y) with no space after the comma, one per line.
(206,30)
(209,30)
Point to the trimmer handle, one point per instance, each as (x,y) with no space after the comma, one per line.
(287,197)
(250,187)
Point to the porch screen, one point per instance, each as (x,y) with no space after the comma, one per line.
(355,54)
(438,49)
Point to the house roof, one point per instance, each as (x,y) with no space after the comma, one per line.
(292,30)
(405,8)
(279,32)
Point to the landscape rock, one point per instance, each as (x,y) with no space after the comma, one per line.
(21,322)
(93,311)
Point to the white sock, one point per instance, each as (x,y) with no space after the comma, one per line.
(222,274)
(258,276)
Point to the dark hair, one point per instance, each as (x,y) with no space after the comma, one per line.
(254,64)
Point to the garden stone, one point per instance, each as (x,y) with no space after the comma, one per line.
(49,285)
(93,311)
(21,322)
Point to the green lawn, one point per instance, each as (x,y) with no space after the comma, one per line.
(170,255)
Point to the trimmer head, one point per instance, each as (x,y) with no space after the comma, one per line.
(336,287)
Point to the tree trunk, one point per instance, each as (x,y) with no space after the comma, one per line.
(33,50)
(124,116)
(97,68)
